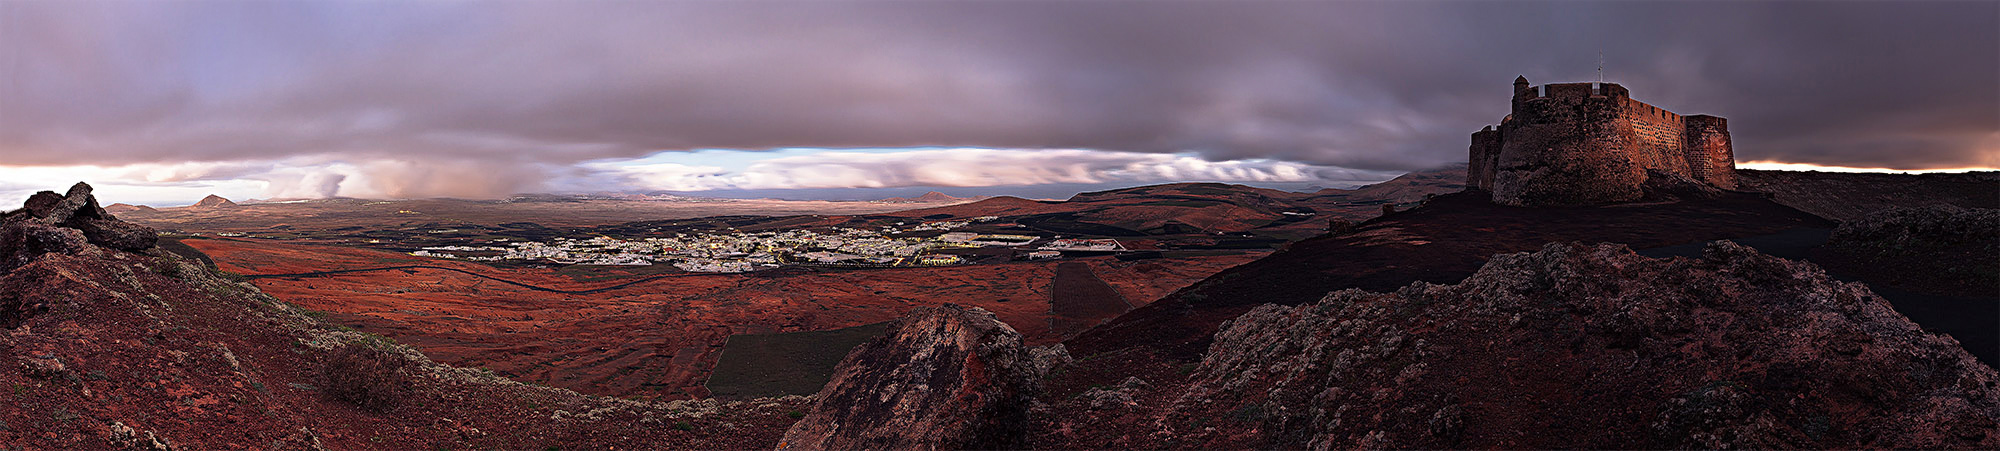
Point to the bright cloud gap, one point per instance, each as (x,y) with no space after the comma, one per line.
(963,167)
(678,171)
(1781,166)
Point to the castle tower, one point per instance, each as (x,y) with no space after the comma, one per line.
(1710,156)
(1591,143)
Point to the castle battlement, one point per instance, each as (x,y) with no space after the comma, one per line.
(1590,143)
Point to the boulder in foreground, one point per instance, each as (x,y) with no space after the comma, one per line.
(945,377)
(48,222)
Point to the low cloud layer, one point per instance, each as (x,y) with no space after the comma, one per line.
(313,177)
(969,168)
(485,99)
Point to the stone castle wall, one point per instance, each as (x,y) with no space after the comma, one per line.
(1589,143)
(1659,137)
(1485,149)
(1710,156)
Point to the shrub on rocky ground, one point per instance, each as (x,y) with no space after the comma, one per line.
(368,376)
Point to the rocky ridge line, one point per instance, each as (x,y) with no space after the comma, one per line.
(1597,347)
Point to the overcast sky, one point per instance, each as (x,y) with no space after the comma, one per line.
(483,99)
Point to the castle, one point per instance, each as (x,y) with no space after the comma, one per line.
(1590,143)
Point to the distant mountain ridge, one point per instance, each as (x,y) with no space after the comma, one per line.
(128,208)
(928,198)
(1202,207)
(1410,187)
(213,201)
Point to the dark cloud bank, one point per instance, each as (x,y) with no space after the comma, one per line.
(518,92)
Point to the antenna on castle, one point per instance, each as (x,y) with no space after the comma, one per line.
(1600,67)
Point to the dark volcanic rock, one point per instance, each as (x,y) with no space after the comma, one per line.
(1939,249)
(1596,347)
(945,377)
(118,234)
(21,243)
(1922,229)
(42,204)
(76,210)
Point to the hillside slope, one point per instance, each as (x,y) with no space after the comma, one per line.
(111,345)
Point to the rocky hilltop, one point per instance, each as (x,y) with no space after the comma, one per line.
(1597,347)
(51,222)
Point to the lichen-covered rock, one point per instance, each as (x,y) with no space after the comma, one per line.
(1043,360)
(118,234)
(1582,346)
(21,243)
(945,377)
(1120,396)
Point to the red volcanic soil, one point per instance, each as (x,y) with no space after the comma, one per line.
(659,337)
